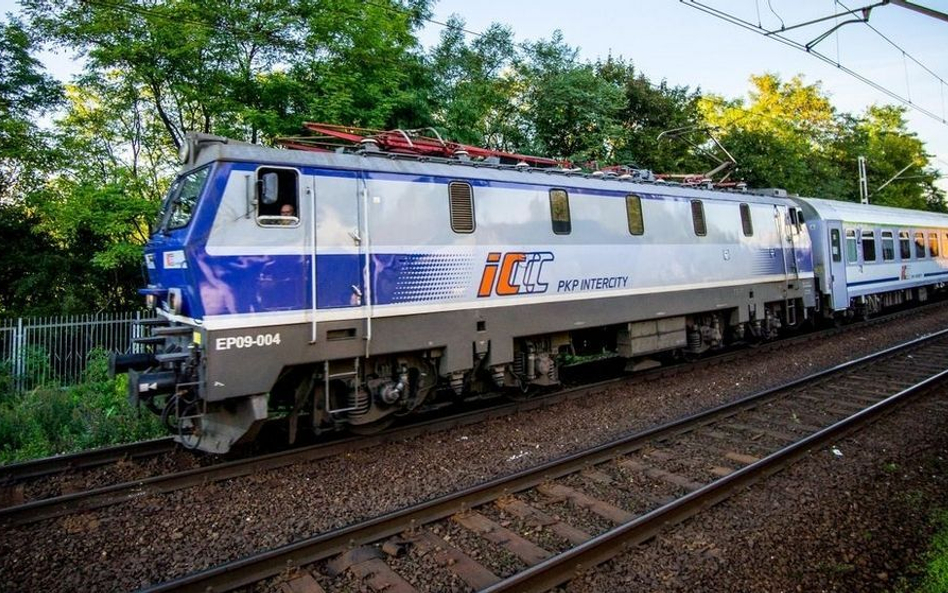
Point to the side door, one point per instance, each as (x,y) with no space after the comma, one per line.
(339,240)
(785,231)
(836,265)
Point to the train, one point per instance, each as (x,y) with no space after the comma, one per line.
(343,288)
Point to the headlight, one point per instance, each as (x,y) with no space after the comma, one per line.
(174,301)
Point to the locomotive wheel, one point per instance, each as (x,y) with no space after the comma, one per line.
(371,428)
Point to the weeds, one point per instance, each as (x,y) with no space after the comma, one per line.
(50,419)
(936,568)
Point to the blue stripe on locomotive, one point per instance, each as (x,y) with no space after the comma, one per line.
(216,285)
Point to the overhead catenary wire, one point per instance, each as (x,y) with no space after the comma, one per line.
(775,35)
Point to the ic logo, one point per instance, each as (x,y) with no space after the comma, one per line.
(517,272)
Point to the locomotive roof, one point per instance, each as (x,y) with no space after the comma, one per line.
(876,215)
(457,169)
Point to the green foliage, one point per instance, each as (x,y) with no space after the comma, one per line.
(790,136)
(50,419)
(936,570)
(25,92)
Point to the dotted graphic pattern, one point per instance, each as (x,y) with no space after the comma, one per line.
(427,277)
(767,262)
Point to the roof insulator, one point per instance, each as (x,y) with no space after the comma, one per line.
(369,144)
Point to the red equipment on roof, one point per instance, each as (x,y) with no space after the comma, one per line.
(330,137)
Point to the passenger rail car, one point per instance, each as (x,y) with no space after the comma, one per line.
(870,257)
(346,289)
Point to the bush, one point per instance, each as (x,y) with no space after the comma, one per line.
(51,419)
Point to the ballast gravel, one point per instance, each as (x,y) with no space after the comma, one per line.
(156,538)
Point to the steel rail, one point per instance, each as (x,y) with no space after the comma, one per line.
(254,568)
(37,468)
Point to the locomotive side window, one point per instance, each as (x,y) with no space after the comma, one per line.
(888,246)
(461,199)
(559,211)
(277,197)
(933,244)
(905,247)
(851,255)
(919,245)
(633,212)
(868,246)
(835,246)
(748,225)
(697,218)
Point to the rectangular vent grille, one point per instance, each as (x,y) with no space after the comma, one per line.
(461,196)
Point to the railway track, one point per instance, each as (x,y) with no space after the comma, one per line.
(539,528)
(119,492)
(83,460)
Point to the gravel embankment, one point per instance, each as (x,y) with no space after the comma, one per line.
(849,522)
(156,538)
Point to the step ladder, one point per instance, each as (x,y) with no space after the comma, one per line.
(329,376)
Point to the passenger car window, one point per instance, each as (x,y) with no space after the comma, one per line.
(944,245)
(182,198)
(868,246)
(559,211)
(888,246)
(933,244)
(851,255)
(285,209)
(633,211)
(919,245)
(905,247)
(697,218)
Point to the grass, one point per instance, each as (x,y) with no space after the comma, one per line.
(50,419)
(936,560)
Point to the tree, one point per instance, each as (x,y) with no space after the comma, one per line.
(647,112)
(250,69)
(789,135)
(26,93)
(472,96)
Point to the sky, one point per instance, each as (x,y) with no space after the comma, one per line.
(671,40)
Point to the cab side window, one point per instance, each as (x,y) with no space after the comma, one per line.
(278,197)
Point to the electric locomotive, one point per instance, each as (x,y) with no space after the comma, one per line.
(343,289)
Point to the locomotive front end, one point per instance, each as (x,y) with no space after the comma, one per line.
(166,372)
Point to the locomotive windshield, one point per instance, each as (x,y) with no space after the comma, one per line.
(181,199)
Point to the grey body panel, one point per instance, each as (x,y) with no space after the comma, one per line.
(240,371)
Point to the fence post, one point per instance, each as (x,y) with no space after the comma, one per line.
(19,356)
(136,333)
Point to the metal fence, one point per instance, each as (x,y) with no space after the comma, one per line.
(41,350)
